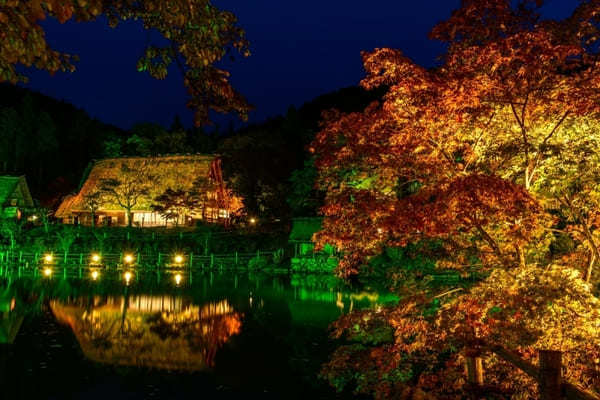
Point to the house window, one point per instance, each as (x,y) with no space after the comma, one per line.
(223,214)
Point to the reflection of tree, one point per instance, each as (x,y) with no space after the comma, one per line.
(180,337)
(10,319)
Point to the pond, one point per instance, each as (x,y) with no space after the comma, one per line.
(218,335)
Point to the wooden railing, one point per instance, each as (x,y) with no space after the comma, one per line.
(548,375)
(181,260)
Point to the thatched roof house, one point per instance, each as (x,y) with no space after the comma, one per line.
(14,196)
(144,179)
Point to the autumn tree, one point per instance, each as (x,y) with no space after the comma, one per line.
(199,36)
(490,156)
(175,205)
(92,202)
(130,188)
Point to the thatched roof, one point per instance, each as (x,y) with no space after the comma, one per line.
(9,185)
(175,172)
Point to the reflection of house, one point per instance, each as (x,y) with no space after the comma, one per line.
(14,196)
(305,257)
(159,332)
(200,174)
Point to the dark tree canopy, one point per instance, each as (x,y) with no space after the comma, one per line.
(199,36)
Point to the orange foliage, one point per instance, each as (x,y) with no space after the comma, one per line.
(200,36)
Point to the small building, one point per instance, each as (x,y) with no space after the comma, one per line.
(200,174)
(305,258)
(15,198)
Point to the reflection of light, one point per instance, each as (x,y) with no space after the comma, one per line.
(178,259)
(48,258)
(178,279)
(47,271)
(127,276)
(95,275)
(128,258)
(339,302)
(96,258)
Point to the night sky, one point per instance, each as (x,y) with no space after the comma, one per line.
(299,51)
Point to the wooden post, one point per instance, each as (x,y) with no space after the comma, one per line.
(474,369)
(550,380)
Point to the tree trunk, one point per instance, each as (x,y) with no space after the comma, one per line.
(520,256)
(590,268)
(128,215)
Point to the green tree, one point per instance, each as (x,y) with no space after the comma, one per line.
(130,188)
(175,205)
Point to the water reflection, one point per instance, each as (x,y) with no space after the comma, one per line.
(10,320)
(249,333)
(163,332)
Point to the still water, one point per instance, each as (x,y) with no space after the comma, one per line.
(218,336)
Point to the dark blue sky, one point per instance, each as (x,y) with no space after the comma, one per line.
(299,51)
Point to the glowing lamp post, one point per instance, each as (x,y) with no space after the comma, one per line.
(95,275)
(128,258)
(47,272)
(252,221)
(48,259)
(178,259)
(96,258)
